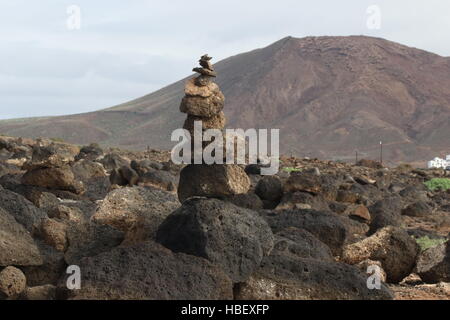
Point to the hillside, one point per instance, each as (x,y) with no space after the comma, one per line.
(329,96)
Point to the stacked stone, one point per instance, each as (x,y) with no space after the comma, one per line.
(203,101)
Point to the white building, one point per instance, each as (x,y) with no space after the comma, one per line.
(439,163)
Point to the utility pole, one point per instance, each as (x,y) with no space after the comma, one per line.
(381,152)
(356,157)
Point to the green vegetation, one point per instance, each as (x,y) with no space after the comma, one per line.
(427,243)
(438,184)
(57,140)
(291,169)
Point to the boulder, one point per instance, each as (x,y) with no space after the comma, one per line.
(247,200)
(90,239)
(16,245)
(113,161)
(85,170)
(433,265)
(129,175)
(21,209)
(269,188)
(303,182)
(12,283)
(160,179)
(191,89)
(212,181)
(418,209)
(39,293)
(116,178)
(302,244)
(366,264)
(203,107)
(91,152)
(347,196)
(53,155)
(295,200)
(358,212)
(50,270)
(125,208)
(53,233)
(143,166)
(41,199)
(217,121)
(149,271)
(392,246)
(234,238)
(66,213)
(326,226)
(61,178)
(386,212)
(284,277)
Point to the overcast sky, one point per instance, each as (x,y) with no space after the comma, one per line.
(126,49)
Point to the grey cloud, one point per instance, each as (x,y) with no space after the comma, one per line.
(126,49)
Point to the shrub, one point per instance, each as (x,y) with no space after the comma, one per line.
(427,243)
(438,184)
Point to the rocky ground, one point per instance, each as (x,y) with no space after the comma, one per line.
(309,232)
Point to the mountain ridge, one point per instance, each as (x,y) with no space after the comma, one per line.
(329,96)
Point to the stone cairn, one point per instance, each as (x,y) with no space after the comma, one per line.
(203,101)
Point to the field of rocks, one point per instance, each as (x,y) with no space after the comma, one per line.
(309,232)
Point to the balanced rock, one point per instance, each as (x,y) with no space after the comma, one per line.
(203,107)
(214,180)
(215,122)
(192,89)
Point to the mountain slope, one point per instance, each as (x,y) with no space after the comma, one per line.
(329,96)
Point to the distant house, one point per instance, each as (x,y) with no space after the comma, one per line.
(439,163)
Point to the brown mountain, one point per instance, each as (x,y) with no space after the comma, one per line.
(329,96)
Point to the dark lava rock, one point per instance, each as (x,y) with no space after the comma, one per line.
(234,238)
(284,277)
(149,271)
(21,209)
(417,209)
(326,226)
(302,244)
(386,212)
(392,246)
(433,265)
(269,188)
(16,245)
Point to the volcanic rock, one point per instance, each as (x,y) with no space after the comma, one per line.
(148,271)
(393,247)
(234,238)
(212,181)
